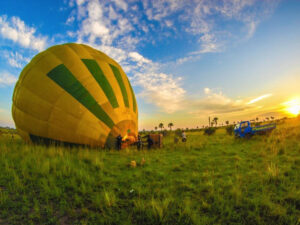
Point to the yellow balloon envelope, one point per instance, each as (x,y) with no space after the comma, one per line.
(74,94)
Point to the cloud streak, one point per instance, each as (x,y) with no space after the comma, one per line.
(259,98)
(215,103)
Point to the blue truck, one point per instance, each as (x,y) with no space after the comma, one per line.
(244,129)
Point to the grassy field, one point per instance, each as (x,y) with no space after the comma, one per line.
(208,180)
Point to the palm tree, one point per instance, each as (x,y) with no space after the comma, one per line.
(155,128)
(216,120)
(212,123)
(170,125)
(161,126)
(227,122)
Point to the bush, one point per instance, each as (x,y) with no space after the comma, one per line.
(209,130)
(229,130)
(165,133)
(178,132)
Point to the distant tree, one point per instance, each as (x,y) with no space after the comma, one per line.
(187,128)
(216,120)
(272,117)
(170,125)
(267,118)
(155,127)
(257,119)
(227,122)
(212,123)
(161,126)
(229,130)
(209,130)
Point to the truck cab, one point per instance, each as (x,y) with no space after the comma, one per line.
(243,129)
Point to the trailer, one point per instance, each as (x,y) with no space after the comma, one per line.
(244,129)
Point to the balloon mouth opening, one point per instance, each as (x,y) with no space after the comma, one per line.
(128,140)
(127,129)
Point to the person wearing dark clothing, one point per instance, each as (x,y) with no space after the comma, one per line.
(150,142)
(139,143)
(119,142)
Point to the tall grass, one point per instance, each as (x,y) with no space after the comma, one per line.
(212,179)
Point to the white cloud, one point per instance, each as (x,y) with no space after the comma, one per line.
(161,90)
(207,91)
(121,4)
(17,31)
(6,79)
(138,58)
(259,98)
(215,103)
(251,28)
(70,20)
(15,59)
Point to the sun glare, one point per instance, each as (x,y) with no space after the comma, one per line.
(293,106)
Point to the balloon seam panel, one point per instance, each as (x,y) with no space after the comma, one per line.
(133,96)
(66,80)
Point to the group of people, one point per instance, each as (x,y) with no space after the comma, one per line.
(139,143)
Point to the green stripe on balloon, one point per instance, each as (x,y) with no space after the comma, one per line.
(98,74)
(133,96)
(121,84)
(65,79)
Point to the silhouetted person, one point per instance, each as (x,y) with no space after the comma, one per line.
(150,142)
(139,143)
(119,142)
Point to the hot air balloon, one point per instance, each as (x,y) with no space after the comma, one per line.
(74,94)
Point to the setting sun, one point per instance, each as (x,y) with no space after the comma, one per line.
(293,106)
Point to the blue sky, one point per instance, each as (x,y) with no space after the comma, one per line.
(187,60)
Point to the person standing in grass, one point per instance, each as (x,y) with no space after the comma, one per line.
(183,136)
(139,143)
(150,142)
(119,142)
